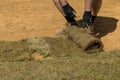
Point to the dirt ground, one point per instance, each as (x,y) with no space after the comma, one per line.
(31,18)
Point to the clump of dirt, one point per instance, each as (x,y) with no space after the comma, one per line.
(38,56)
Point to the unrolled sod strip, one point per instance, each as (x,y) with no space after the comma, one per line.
(55,47)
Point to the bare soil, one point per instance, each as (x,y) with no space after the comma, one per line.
(21,19)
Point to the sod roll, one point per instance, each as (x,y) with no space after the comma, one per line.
(82,39)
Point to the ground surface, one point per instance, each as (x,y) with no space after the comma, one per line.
(99,66)
(30,18)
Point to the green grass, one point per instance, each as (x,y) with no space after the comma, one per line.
(97,66)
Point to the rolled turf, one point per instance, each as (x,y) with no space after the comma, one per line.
(82,39)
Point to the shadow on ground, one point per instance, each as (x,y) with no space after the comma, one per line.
(105,25)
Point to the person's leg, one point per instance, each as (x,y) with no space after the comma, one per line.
(92,8)
(96,5)
(87,11)
(59,7)
(63,2)
(87,17)
(88,4)
(66,10)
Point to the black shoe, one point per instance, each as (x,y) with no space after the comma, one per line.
(71,24)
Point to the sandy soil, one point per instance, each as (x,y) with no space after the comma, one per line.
(31,18)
